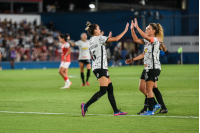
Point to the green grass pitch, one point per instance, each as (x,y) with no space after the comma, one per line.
(23,93)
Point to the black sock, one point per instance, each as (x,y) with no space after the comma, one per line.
(154,102)
(88,75)
(150,103)
(82,77)
(112,98)
(145,104)
(96,96)
(159,98)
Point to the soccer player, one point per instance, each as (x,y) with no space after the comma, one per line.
(153,37)
(100,67)
(66,51)
(84,56)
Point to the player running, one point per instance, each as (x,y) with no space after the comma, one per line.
(84,56)
(153,37)
(66,51)
(100,67)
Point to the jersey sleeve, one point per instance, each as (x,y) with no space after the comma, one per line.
(67,45)
(77,43)
(103,39)
(145,41)
(154,40)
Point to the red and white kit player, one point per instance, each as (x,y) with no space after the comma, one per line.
(65,62)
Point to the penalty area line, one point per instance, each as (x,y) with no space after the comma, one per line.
(43,113)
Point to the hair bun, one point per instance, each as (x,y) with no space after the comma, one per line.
(88,24)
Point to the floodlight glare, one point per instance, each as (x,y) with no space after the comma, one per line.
(92,6)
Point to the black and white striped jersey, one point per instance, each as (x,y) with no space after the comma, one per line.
(151,54)
(98,51)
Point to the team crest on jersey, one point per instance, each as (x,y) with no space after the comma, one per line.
(145,50)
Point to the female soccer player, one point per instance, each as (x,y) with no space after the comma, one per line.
(84,56)
(148,81)
(66,51)
(100,67)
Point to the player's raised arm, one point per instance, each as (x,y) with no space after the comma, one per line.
(141,32)
(68,39)
(114,39)
(135,38)
(139,57)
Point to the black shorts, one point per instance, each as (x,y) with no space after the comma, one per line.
(85,62)
(151,74)
(100,73)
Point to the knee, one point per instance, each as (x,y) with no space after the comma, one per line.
(60,72)
(148,90)
(141,88)
(103,90)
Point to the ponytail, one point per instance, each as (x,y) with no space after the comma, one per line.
(159,32)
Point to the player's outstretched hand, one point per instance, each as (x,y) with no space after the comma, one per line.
(136,23)
(128,61)
(110,34)
(126,29)
(132,25)
(102,33)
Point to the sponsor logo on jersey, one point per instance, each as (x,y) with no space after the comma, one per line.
(85,48)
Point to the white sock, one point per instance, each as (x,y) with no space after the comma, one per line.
(68,80)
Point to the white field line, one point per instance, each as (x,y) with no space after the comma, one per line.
(12,112)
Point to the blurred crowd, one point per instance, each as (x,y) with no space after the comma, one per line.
(27,41)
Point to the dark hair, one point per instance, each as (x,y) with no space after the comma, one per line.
(90,28)
(64,36)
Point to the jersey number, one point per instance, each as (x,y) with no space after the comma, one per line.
(94,56)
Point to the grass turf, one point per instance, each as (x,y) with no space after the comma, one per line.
(39,91)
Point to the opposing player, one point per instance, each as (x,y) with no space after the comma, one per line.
(153,37)
(84,56)
(100,67)
(66,51)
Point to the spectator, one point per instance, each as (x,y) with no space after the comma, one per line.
(12,56)
(30,41)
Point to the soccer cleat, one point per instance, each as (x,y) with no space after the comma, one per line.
(70,83)
(82,85)
(162,111)
(83,109)
(148,113)
(66,86)
(141,112)
(156,107)
(120,113)
(87,83)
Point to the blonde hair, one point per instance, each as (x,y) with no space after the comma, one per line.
(159,32)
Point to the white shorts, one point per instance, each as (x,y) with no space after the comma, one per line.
(65,64)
